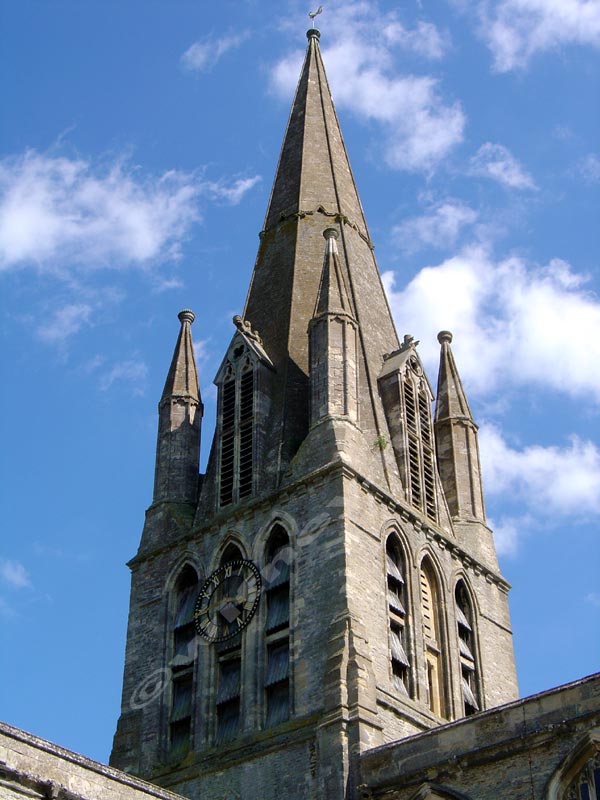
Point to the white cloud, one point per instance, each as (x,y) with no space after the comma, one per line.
(55,210)
(497,162)
(424,39)
(65,322)
(440,227)
(14,574)
(529,320)
(419,127)
(133,371)
(203,55)
(234,193)
(552,481)
(516,30)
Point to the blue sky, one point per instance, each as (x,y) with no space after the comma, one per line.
(138,145)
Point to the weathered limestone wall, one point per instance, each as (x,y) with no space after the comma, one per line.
(524,750)
(33,768)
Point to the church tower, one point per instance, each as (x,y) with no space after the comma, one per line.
(329,584)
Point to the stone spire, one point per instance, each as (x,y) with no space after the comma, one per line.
(456,441)
(180,416)
(314,189)
(333,335)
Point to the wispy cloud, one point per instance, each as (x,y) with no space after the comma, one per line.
(14,574)
(203,55)
(419,127)
(588,168)
(234,192)
(439,227)
(497,162)
(65,322)
(514,311)
(56,210)
(517,30)
(133,372)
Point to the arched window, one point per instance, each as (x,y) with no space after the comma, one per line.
(466,644)
(229,658)
(277,627)
(236,417)
(586,785)
(398,617)
(432,634)
(419,440)
(182,663)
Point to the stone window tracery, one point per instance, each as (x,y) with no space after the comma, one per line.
(398,617)
(236,417)
(182,663)
(432,634)
(276,576)
(465,621)
(419,440)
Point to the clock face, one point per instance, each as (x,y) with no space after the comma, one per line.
(228,600)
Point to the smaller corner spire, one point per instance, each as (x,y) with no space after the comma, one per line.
(456,441)
(182,378)
(179,423)
(451,401)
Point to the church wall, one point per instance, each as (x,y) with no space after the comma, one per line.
(33,768)
(518,751)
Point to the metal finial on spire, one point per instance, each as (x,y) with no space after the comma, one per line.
(313,14)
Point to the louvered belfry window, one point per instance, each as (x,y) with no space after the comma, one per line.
(466,645)
(276,577)
(229,668)
(419,441)
(398,618)
(182,664)
(237,429)
(433,641)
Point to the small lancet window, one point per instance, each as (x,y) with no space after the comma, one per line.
(182,663)
(397,614)
(277,627)
(229,662)
(237,407)
(466,645)
(419,442)
(432,635)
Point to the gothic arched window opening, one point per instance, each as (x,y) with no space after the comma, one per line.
(466,645)
(398,623)
(586,786)
(229,659)
(432,635)
(182,663)
(236,412)
(419,441)
(277,627)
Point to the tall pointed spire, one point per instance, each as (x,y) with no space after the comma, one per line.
(456,441)
(313,189)
(180,415)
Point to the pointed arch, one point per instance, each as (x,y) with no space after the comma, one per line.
(276,574)
(578,777)
(183,659)
(466,625)
(398,611)
(433,637)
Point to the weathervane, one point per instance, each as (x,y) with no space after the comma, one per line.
(313,14)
